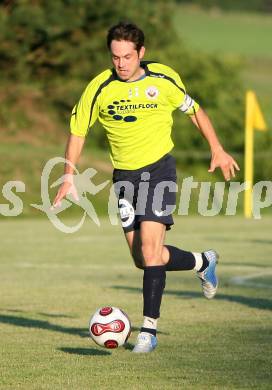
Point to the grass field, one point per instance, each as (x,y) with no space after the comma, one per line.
(52,282)
(246,35)
(242,33)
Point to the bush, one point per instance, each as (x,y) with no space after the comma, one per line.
(58,47)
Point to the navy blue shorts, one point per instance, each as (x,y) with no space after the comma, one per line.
(147,193)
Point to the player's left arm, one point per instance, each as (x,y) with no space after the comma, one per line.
(220,158)
(178,97)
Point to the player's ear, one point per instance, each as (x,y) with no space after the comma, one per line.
(141,52)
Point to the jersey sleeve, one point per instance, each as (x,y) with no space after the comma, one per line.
(86,111)
(179,98)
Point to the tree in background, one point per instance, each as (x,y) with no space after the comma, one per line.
(56,47)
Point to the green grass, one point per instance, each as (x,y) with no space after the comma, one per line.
(246,35)
(25,162)
(52,282)
(242,33)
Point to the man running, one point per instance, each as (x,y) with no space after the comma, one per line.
(134,102)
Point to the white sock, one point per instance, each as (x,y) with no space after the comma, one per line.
(150,323)
(198,261)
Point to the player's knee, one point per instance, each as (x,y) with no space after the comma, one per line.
(150,255)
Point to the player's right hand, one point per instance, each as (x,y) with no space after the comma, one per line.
(66,188)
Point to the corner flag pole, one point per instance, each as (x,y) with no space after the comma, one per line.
(254,120)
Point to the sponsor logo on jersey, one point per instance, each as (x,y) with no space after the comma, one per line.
(118,110)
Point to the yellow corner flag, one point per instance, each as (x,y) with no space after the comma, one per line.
(254,120)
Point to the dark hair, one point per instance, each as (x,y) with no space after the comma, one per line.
(125,31)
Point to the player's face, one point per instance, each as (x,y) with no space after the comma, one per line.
(126,60)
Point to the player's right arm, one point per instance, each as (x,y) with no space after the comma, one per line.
(84,114)
(73,151)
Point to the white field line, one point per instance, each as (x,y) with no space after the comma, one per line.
(237,280)
(70,266)
(25,264)
(246,280)
(89,238)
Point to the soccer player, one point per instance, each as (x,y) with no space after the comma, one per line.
(134,102)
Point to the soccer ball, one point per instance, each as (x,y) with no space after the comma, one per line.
(110,327)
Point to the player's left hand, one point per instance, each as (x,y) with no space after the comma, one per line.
(223,160)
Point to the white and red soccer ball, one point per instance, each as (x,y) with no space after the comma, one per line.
(110,327)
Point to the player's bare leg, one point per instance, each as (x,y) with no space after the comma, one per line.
(135,246)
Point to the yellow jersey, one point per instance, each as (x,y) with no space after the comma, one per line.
(137,115)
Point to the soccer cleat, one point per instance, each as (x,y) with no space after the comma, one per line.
(208,277)
(146,342)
